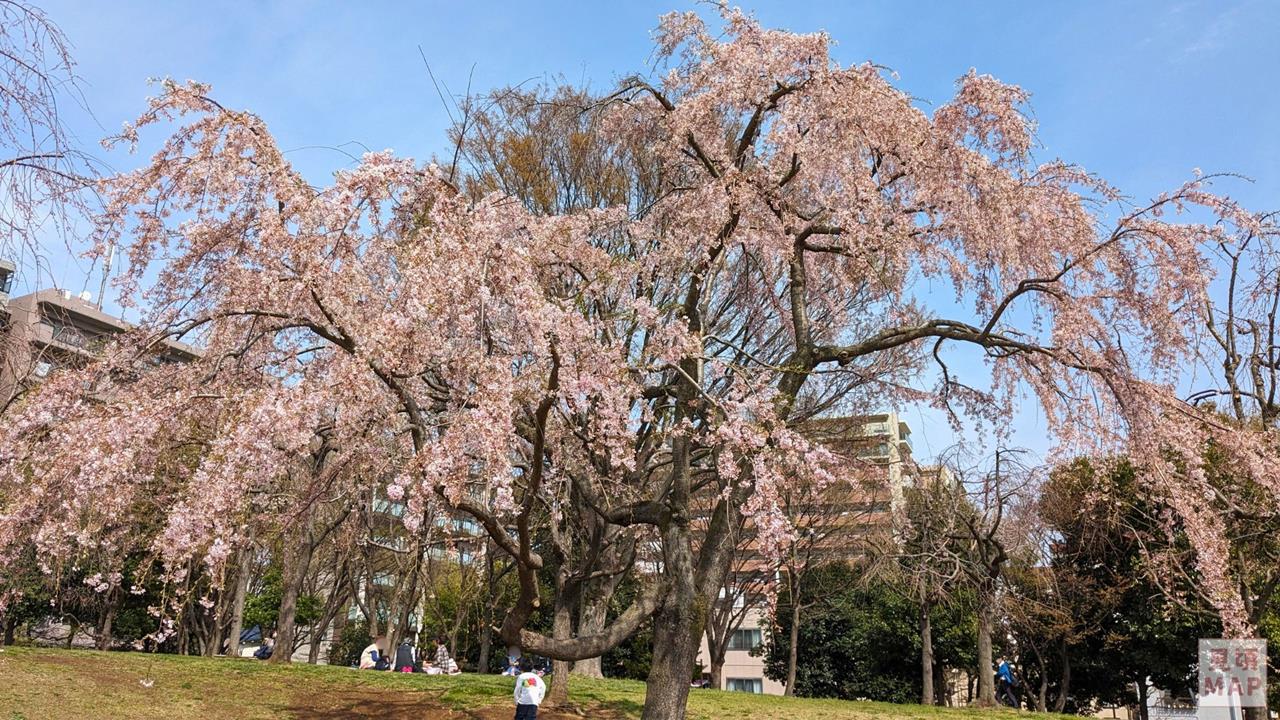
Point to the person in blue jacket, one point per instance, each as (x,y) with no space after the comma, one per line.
(1007,682)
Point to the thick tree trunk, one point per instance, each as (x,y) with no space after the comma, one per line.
(10,628)
(676,634)
(717,671)
(295,574)
(108,619)
(591,619)
(1064,682)
(677,631)
(561,629)
(75,628)
(1142,699)
(926,656)
(986,670)
(237,603)
(486,642)
(793,650)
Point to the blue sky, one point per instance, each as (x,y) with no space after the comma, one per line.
(1139,92)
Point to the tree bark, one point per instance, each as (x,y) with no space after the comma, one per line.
(313,647)
(1064,683)
(793,651)
(986,670)
(717,672)
(1142,699)
(591,620)
(941,688)
(677,630)
(333,605)
(398,622)
(210,630)
(926,656)
(237,603)
(675,648)
(561,629)
(10,627)
(486,608)
(1042,694)
(295,573)
(486,642)
(108,618)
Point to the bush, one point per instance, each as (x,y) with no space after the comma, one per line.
(353,639)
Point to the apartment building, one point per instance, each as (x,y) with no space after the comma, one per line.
(876,447)
(7,272)
(50,329)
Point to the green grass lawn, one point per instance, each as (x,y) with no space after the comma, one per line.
(45,684)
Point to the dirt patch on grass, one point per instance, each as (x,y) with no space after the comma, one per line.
(369,704)
(506,713)
(89,668)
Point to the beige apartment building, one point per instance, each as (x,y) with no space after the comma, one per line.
(50,329)
(882,440)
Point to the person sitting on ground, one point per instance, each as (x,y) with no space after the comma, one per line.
(529,691)
(372,656)
(407,656)
(267,648)
(443,662)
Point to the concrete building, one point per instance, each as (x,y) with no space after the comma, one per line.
(880,442)
(51,329)
(7,271)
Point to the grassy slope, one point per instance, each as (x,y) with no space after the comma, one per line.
(51,684)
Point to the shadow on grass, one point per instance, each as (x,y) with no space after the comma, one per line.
(620,708)
(372,706)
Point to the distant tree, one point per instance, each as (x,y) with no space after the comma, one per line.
(859,642)
(921,556)
(1110,622)
(351,641)
(749,578)
(990,530)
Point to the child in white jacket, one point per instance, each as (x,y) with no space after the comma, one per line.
(529,691)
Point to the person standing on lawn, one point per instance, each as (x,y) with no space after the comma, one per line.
(529,691)
(1008,681)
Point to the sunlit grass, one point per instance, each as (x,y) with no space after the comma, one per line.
(49,684)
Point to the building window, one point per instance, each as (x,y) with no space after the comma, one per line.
(746,685)
(68,334)
(745,639)
(388,507)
